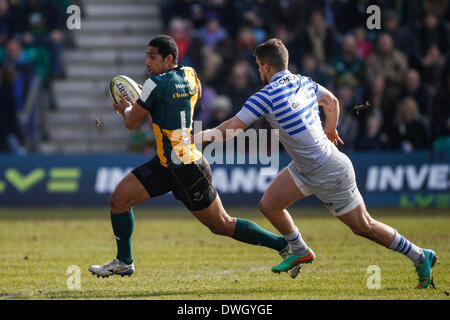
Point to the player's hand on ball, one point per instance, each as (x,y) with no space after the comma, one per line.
(333,135)
(122,105)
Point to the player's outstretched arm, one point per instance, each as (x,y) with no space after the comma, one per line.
(133,115)
(226,130)
(330,106)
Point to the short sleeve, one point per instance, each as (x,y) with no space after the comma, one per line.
(255,107)
(320,91)
(148,94)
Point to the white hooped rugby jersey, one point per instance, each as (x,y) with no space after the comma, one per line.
(290,103)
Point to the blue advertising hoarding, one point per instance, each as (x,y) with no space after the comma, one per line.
(418,179)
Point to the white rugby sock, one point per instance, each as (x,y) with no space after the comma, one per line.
(296,242)
(409,249)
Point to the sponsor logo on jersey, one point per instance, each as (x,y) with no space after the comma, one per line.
(182,85)
(191,93)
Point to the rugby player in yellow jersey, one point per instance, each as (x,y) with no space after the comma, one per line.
(169,96)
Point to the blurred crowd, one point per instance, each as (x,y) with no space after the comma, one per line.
(32,37)
(402,71)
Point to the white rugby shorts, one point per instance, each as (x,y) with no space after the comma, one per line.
(334,183)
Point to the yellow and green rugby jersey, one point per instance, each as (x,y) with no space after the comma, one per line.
(170,98)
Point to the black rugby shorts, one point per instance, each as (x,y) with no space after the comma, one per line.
(190,183)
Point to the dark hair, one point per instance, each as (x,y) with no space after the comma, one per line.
(274,53)
(166,45)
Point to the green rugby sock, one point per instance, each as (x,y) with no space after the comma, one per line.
(249,232)
(123,226)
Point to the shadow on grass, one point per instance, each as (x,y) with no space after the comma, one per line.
(187,294)
(149,212)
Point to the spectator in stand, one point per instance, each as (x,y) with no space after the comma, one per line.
(439,7)
(433,32)
(293,14)
(413,87)
(178,30)
(240,82)
(255,22)
(363,46)
(212,73)
(179,8)
(411,11)
(220,109)
(349,14)
(347,66)
(288,38)
(381,102)
(318,39)
(348,126)
(212,32)
(23,72)
(440,111)
(412,132)
(7,21)
(246,42)
(403,37)
(11,138)
(202,111)
(388,62)
(42,23)
(432,68)
(320,74)
(373,137)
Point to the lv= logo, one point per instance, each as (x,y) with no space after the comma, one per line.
(60,180)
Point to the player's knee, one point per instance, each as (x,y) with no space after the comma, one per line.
(117,203)
(224,227)
(266,209)
(262,207)
(364,229)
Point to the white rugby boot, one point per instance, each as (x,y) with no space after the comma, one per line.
(113,267)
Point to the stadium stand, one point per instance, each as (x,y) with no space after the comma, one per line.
(404,66)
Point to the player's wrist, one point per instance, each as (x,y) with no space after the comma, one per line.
(209,135)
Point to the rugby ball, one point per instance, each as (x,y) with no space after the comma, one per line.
(125,86)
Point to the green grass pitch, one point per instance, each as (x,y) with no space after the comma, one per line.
(178,258)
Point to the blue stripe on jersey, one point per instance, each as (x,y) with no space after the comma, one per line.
(260,95)
(257,104)
(290,85)
(283,96)
(309,115)
(312,122)
(263,98)
(297,131)
(308,106)
(302,85)
(252,110)
(284,104)
(279,114)
(293,124)
(292,116)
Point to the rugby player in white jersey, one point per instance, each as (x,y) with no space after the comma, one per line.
(290,103)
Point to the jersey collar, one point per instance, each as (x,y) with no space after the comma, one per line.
(279,74)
